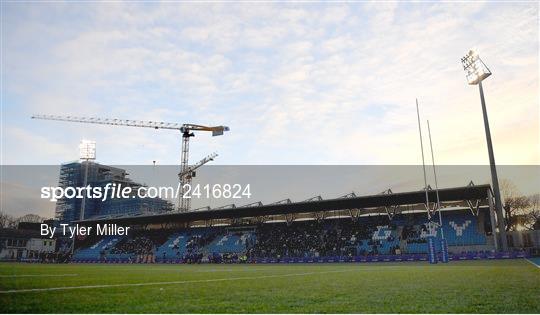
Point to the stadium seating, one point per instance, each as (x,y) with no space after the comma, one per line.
(459,230)
(234,242)
(96,251)
(337,239)
(174,247)
(180,244)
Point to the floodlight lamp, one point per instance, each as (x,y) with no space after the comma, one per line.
(87,150)
(475,68)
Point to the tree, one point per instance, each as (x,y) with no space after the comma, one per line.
(9,221)
(32,218)
(516,206)
(6,220)
(533,218)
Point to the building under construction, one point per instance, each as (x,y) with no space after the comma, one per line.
(72,175)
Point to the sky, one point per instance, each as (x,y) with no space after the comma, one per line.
(297,83)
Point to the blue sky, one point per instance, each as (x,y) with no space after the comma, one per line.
(305,83)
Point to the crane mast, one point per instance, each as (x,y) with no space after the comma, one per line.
(184,203)
(186,130)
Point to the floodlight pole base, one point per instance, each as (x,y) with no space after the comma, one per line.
(494,177)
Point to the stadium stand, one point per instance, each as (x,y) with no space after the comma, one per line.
(329,239)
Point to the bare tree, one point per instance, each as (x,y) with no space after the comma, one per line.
(516,206)
(533,217)
(32,218)
(9,221)
(6,220)
(508,189)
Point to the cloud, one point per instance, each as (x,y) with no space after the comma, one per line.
(30,147)
(297,83)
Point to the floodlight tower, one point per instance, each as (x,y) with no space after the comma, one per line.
(87,152)
(477,71)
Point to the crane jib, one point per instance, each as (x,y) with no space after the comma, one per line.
(216,130)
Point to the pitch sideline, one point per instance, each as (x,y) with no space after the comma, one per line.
(176,282)
(532,263)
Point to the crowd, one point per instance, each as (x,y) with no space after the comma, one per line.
(413,233)
(195,244)
(142,245)
(318,238)
(43,257)
(371,235)
(139,245)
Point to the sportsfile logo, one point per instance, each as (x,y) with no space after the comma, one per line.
(112,191)
(97,192)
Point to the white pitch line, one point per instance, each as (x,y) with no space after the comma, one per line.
(99,286)
(41,275)
(532,263)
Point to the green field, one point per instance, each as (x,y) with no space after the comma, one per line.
(458,287)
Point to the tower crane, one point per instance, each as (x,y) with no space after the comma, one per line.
(185,129)
(190,171)
(187,175)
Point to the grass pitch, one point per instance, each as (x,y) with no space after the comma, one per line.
(511,286)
